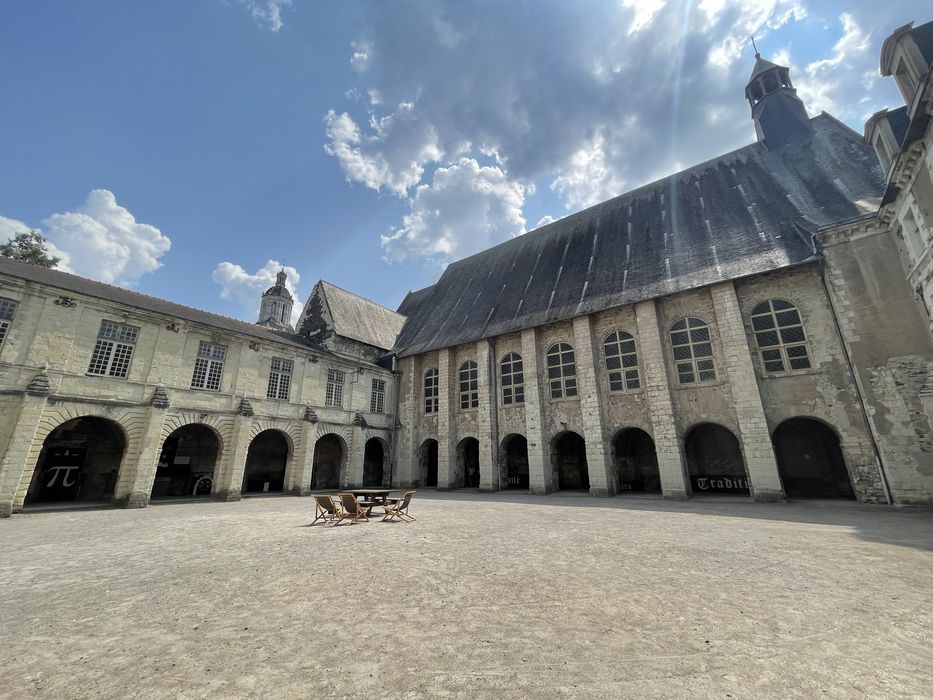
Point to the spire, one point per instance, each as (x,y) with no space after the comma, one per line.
(779,115)
(275,309)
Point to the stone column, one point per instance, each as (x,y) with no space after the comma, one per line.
(486,420)
(598,458)
(446,423)
(660,405)
(138,471)
(357,456)
(299,477)
(228,484)
(762,467)
(14,465)
(540,473)
(407,469)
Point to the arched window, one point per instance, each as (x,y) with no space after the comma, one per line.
(469,385)
(430,390)
(621,361)
(782,342)
(561,371)
(512,375)
(693,351)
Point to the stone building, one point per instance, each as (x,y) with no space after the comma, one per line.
(742,326)
(111,395)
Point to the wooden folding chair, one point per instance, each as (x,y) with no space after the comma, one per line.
(352,510)
(326,510)
(398,508)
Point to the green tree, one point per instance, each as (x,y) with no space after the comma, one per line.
(29,247)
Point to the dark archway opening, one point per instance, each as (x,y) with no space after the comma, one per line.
(468,462)
(186,463)
(569,457)
(329,458)
(714,459)
(810,460)
(266,461)
(427,463)
(373,459)
(80,461)
(515,450)
(636,461)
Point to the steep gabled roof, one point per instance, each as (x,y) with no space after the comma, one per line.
(361,319)
(736,215)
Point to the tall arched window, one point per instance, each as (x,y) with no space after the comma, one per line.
(469,385)
(693,351)
(512,375)
(430,390)
(782,342)
(561,371)
(621,361)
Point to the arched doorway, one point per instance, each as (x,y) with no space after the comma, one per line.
(186,463)
(514,452)
(80,461)
(810,460)
(714,459)
(568,455)
(373,461)
(427,462)
(468,462)
(266,461)
(636,461)
(329,461)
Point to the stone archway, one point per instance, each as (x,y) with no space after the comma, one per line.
(636,461)
(330,459)
(810,460)
(374,458)
(568,456)
(187,462)
(468,462)
(266,463)
(513,456)
(714,459)
(80,461)
(427,463)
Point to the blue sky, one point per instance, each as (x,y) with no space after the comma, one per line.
(188,148)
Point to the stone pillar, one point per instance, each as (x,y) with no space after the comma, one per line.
(298,479)
(762,467)
(598,458)
(660,405)
(138,471)
(228,484)
(486,420)
(357,456)
(15,463)
(407,470)
(540,472)
(446,423)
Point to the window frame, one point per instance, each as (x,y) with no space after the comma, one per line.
(377,397)
(566,380)
(213,363)
(617,338)
(333,392)
(7,313)
(468,385)
(113,352)
(694,361)
(280,376)
(783,348)
(430,398)
(516,379)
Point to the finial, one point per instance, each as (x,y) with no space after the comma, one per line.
(757,55)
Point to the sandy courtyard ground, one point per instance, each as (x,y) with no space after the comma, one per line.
(484,596)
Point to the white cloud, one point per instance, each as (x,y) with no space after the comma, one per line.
(645,10)
(586,178)
(267,12)
(100,240)
(245,288)
(545,220)
(465,209)
(361,56)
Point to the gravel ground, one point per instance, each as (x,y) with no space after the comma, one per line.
(484,595)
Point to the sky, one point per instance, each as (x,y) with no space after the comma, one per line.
(189,149)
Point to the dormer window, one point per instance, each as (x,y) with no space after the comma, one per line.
(907,79)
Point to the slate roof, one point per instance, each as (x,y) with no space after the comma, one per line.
(736,215)
(73,284)
(361,319)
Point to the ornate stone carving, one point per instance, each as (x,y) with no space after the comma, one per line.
(245,408)
(39,386)
(67,302)
(358,420)
(160,397)
(310,415)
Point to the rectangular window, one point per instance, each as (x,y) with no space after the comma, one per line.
(208,367)
(334,388)
(7,309)
(114,350)
(377,400)
(280,379)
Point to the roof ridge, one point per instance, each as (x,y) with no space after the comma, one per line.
(358,296)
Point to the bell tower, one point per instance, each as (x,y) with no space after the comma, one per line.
(275,310)
(779,114)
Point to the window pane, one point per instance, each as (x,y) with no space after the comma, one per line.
(707,376)
(703,350)
(792,335)
(766,339)
(797,351)
(704,365)
(699,334)
(680,325)
(520,395)
(770,355)
(101,357)
(680,338)
(7,309)
(615,384)
(788,318)
(780,304)
(120,365)
(800,363)
(774,366)
(763,323)
(682,353)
